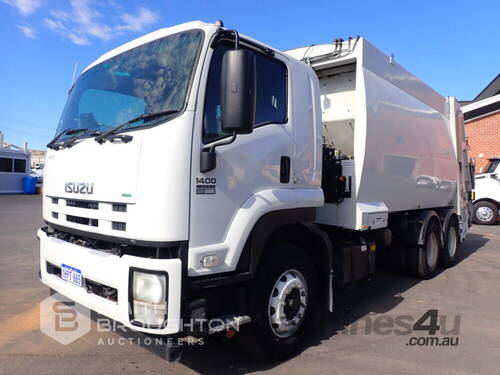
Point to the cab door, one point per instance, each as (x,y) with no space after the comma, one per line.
(248,165)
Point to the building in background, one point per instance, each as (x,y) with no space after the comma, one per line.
(482,124)
(15,164)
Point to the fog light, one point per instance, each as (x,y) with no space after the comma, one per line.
(149,293)
(210,261)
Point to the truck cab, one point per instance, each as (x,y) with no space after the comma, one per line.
(139,208)
(487,194)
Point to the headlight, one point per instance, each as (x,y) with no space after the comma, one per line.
(149,298)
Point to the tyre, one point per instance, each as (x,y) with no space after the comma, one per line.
(284,302)
(451,244)
(485,213)
(422,260)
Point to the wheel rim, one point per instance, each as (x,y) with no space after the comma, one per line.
(484,213)
(452,241)
(287,303)
(432,250)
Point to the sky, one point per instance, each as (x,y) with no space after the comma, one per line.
(453,46)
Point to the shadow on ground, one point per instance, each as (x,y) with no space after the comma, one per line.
(377,296)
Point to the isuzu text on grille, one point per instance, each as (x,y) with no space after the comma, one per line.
(79,187)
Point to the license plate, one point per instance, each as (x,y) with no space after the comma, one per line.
(71,274)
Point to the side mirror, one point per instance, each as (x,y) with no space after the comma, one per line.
(238,91)
(208,160)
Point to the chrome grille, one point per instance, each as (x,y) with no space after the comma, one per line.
(97,216)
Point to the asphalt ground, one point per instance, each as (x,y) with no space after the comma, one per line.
(372,331)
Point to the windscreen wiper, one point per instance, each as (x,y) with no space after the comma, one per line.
(146,117)
(70,142)
(53,143)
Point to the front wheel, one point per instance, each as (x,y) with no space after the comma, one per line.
(284,300)
(485,213)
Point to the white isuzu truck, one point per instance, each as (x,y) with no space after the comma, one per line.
(487,194)
(199,174)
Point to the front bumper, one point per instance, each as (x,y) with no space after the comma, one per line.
(113,271)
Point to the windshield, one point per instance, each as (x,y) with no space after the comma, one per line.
(151,78)
(492,166)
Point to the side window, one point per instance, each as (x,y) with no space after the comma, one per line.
(19,166)
(5,165)
(211,117)
(271,93)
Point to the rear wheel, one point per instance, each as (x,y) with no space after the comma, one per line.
(422,260)
(284,300)
(452,241)
(485,213)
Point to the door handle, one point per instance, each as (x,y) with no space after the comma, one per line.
(285,170)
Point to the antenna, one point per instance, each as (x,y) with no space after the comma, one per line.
(74,74)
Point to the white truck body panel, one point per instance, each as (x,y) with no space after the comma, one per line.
(487,185)
(398,129)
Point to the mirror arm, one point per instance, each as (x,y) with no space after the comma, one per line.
(236,38)
(208,156)
(221,143)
